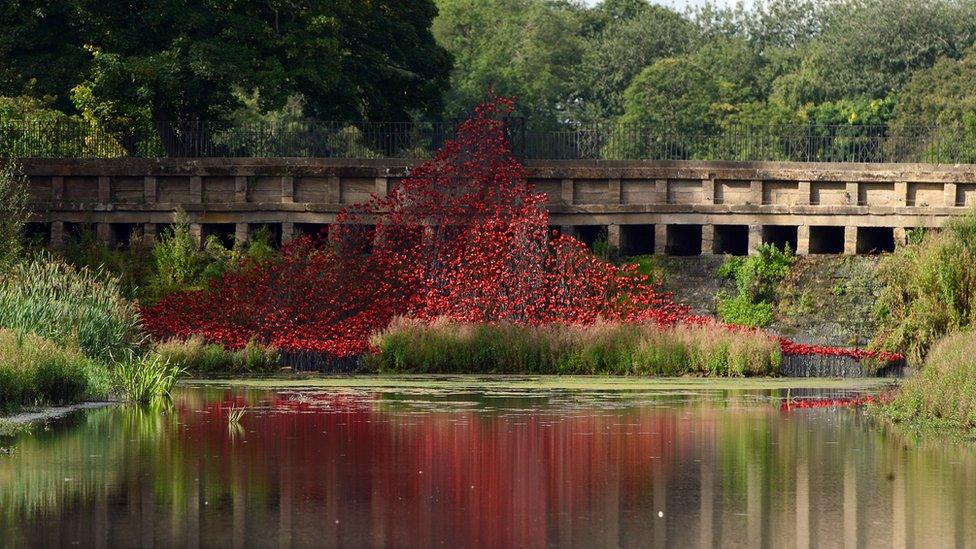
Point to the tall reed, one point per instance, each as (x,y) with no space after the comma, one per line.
(50,298)
(38,371)
(445,346)
(943,394)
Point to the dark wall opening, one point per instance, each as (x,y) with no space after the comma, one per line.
(684,240)
(875,240)
(590,234)
(826,240)
(36,234)
(636,240)
(225,233)
(272,230)
(121,235)
(78,232)
(780,236)
(318,231)
(731,239)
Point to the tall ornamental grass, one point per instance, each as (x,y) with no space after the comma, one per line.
(72,307)
(943,395)
(38,371)
(445,346)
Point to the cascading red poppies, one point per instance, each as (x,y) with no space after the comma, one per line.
(464,236)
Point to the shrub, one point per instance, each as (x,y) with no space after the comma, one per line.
(13,212)
(194,355)
(928,289)
(35,370)
(177,257)
(82,307)
(755,278)
(944,393)
(445,346)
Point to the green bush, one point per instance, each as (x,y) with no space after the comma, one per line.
(928,290)
(943,395)
(50,298)
(38,371)
(196,356)
(755,278)
(445,346)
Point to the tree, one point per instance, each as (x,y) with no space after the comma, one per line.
(522,48)
(186,60)
(871,47)
(940,99)
(636,35)
(688,94)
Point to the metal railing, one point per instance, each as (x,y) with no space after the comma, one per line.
(411,140)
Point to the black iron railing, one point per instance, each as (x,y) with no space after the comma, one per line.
(410,140)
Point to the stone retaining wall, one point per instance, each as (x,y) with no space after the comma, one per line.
(672,207)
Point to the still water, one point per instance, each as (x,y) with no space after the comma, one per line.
(486,463)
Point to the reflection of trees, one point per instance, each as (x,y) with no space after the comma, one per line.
(356,469)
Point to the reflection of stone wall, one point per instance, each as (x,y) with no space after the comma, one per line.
(287,191)
(833,366)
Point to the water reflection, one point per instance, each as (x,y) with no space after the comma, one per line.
(527,468)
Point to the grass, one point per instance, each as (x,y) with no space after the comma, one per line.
(195,356)
(942,397)
(37,371)
(80,308)
(928,289)
(448,347)
(145,379)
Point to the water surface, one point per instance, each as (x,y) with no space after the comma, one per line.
(488,462)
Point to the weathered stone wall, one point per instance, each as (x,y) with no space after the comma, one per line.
(664,207)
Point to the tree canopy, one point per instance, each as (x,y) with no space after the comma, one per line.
(192,59)
(849,63)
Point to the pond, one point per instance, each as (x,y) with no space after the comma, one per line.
(488,462)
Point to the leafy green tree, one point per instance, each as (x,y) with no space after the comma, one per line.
(637,34)
(936,111)
(871,47)
(522,48)
(179,61)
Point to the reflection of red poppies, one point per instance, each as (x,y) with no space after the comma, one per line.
(844,402)
(490,479)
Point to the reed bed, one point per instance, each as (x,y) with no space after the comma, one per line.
(37,371)
(72,307)
(943,394)
(445,346)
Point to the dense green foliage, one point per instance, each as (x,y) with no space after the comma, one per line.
(929,289)
(130,65)
(37,371)
(943,395)
(710,69)
(443,346)
(756,277)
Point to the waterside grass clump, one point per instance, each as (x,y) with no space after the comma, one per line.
(195,356)
(942,397)
(37,371)
(445,346)
(72,307)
